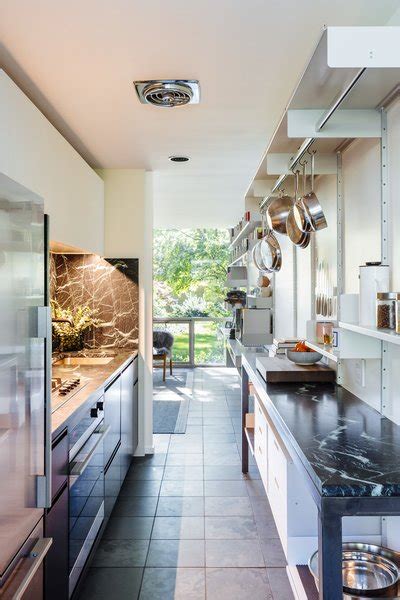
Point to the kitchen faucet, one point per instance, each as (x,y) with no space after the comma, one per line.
(62,320)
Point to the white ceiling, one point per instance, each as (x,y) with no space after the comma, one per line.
(77,59)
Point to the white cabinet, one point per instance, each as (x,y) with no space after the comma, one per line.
(261,442)
(295,513)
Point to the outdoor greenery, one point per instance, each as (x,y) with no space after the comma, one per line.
(189,273)
(208,346)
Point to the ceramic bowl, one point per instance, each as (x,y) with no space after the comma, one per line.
(304,358)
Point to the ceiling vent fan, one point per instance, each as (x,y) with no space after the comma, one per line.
(168,93)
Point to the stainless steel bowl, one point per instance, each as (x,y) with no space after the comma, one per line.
(365,573)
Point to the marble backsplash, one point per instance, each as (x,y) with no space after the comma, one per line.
(110,286)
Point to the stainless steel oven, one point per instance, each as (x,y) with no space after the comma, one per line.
(86,488)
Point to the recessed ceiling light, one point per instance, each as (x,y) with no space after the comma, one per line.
(178,158)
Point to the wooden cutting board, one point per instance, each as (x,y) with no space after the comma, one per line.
(281,370)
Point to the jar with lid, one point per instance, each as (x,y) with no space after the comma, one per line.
(386,310)
(397,313)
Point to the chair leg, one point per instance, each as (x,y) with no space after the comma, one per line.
(170,366)
(164,367)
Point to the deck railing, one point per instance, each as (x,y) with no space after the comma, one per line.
(197,341)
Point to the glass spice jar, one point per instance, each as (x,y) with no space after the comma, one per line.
(386,310)
(397,313)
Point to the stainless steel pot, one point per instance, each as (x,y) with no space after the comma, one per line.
(311,208)
(257,259)
(271,253)
(296,235)
(300,215)
(277,213)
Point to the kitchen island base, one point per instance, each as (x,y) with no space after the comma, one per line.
(298,431)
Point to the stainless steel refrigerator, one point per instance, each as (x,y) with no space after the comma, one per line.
(25,412)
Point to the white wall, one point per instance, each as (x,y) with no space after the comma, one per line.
(362,210)
(34,153)
(129,234)
(284,292)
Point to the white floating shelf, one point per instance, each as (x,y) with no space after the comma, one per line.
(244,232)
(327,351)
(238,259)
(385,335)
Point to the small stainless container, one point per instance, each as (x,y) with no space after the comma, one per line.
(367,572)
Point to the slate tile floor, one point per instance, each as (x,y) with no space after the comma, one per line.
(188,525)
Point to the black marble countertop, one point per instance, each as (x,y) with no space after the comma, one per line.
(98,378)
(347,447)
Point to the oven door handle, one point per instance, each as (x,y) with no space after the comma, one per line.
(80,466)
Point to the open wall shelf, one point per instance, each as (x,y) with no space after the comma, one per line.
(244,232)
(385,335)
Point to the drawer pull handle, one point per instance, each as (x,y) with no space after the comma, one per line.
(276,483)
(78,467)
(276,445)
(259,449)
(35,558)
(259,429)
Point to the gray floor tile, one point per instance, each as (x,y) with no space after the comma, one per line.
(176,553)
(216,447)
(219,428)
(279,584)
(180,506)
(260,505)
(121,553)
(173,584)
(185,459)
(173,528)
(215,460)
(150,459)
(225,488)
(230,528)
(243,553)
(237,584)
(197,429)
(186,448)
(137,506)
(182,488)
(128,528)
(266,526)
(184,472)
(133,487)
(146,473)
(227,506)
(256,488)
(273,553)
(103,584)
(187,438)
(193,421)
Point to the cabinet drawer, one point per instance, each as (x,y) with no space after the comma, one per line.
(261,442)
(260,422)
(59,467)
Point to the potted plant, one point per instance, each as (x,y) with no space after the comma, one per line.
(69,325)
